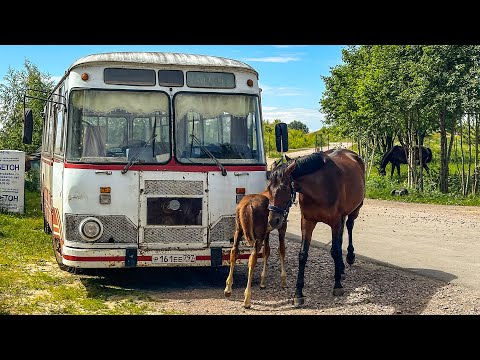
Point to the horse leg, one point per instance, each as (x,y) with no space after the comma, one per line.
(393,169)
(252,261)
(233,258)
(350,223)
(398,169)
(307,229)
(426,168)
(281,252)
(336,252)
(266,254)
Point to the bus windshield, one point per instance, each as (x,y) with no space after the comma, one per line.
(228,125)
(116,126)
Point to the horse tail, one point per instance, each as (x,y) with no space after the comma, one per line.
(245,221)
(429,155)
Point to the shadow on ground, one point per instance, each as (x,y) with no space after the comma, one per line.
(370,287)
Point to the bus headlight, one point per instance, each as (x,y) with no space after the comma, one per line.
(91,229)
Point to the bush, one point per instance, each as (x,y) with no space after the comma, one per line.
(32,180)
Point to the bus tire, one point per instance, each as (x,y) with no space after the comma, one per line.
(46,227)
(57,251)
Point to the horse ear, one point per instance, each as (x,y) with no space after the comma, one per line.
(290,168)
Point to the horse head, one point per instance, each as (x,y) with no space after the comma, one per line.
(282,193)
(381,171)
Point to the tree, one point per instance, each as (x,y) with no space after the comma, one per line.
(298,125)
(12,91)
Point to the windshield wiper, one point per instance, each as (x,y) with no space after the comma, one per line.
(224,172)
(135,157)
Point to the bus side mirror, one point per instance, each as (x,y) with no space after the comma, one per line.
(28,127)
(281,137)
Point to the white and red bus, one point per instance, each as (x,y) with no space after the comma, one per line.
(145,156)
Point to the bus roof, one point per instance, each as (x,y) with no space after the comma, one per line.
(162,58)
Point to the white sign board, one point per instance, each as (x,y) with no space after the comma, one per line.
(12,181)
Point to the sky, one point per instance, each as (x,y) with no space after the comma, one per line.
(289,75)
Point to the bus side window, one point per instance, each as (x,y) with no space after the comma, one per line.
(58,117)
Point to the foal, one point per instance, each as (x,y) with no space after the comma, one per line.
(251,221)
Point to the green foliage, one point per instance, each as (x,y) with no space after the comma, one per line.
(32,180)
(12,91)
(383,92)
(298,125)
(380,187)
(298,139)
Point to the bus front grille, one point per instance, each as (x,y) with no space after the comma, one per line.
(173,235)
(116,229)
(223,230)
(168,187)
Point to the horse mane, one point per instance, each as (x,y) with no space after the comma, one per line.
(304,165)
(386,157)
(308,164)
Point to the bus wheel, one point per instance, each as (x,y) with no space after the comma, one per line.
(46,227)
(57,251)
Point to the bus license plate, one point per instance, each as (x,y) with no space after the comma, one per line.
(174,258)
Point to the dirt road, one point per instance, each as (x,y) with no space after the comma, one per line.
(440,241)
(434,240)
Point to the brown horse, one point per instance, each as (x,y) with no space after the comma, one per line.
(331,187)
(251,221)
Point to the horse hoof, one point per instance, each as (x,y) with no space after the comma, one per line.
(342,277)
(263,286)
(338,291)
(247,306)
(227,294)
(350,259)
(298,301)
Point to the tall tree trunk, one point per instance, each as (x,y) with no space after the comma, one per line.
(475,181)
(369,170)
(419,140)
(462,157)
(456,156)
(443,154)
(469,155)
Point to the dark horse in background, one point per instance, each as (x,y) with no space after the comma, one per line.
(331,188)
(398,155)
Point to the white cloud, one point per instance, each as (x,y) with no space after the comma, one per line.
(310,117)
(281,91)
(275,59)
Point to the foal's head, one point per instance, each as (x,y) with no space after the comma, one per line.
(282,193)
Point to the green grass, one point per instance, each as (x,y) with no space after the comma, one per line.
(379,187)
(32,283)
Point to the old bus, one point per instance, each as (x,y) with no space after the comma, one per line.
(145,156)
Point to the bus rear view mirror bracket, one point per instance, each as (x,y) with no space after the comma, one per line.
(28,114)
(28,127)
